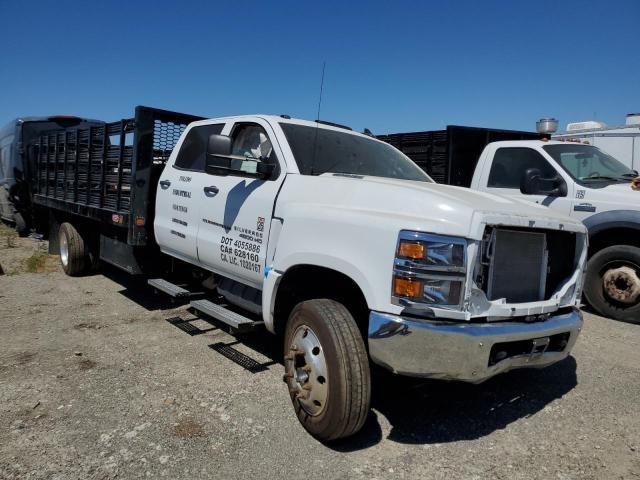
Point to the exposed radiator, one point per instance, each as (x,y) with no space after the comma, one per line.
(518,267)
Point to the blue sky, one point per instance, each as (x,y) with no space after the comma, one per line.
(391,66)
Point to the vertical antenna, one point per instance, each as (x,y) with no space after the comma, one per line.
(315,139)
(324,64)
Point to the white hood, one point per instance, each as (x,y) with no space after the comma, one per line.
(619,196)
(428,207)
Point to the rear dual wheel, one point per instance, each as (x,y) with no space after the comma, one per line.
(327,369)
(73,250)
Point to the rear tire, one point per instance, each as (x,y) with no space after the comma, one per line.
(612,282)
(327,369)
(73,253)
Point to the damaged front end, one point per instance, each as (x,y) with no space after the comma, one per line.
(520,285)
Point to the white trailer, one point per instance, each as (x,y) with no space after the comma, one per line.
(622,142)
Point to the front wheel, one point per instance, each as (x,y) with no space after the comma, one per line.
(327,369)
(612,284)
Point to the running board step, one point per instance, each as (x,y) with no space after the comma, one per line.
(234,320)
(169,288)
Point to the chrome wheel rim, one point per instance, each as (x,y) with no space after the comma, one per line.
(64,249)
(306,369)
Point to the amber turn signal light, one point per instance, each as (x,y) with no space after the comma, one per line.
(414,250)
(407,287)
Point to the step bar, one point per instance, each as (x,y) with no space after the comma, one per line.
(171,289)
(237,322)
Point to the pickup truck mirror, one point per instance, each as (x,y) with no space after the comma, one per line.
(219,145)
(220,161)
(533,183)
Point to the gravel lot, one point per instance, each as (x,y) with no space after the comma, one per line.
(99,379)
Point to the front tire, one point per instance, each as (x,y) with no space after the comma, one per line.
(327,369)
(612,284)
(73,252)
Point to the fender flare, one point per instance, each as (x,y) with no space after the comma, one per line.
(275,273)
(612,219)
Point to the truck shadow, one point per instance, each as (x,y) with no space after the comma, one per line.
(138,291)
(431,411)
(236,198)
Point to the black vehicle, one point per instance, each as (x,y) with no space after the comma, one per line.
(16,169)
(94,187)
(450,156)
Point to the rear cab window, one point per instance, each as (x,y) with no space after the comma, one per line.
(193,151)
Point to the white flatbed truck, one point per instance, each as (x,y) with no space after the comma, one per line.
(332,240)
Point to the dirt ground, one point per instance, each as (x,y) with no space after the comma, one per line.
(100,379)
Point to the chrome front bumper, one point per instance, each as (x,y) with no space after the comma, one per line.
(470,352)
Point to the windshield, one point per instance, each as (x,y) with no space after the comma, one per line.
(341,152)
(586,163)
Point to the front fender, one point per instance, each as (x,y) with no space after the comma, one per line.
(354,246)
(612,219)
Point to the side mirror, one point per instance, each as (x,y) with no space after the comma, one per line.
(218,160)
(533,183)
(219,145)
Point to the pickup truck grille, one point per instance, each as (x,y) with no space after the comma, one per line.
(523,265)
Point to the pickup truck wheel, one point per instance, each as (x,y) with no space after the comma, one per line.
(612,285)
(73,253)
(327,369)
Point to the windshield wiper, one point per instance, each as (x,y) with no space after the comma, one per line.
(629,175)
(603,177)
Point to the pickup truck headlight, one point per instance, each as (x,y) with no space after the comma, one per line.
(429,269)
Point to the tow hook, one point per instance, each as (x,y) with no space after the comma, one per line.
(539,346)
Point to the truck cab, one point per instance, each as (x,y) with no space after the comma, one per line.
(589,185)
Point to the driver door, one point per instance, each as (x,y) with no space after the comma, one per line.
(507,171)
(237,206)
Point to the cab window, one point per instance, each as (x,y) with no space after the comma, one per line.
(510,164)
(251,142)
(193,152)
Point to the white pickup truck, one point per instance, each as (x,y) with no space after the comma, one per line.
(571,178)
(591,186)
(338,243)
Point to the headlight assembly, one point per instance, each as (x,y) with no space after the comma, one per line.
(429,269)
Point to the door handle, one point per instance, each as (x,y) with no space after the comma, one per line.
(211,191)
(165,184)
